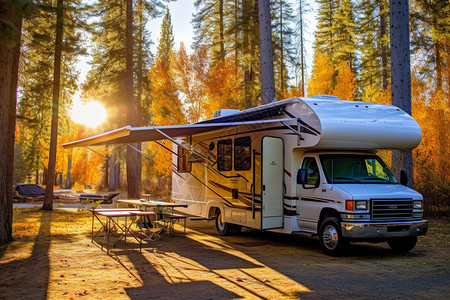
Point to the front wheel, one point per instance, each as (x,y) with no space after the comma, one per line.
(331,238)
(224,228)
(402,244)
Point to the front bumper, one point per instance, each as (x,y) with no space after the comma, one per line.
(366,230)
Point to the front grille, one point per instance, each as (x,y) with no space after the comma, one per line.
(391,209)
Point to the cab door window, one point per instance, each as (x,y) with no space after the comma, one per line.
(310,164)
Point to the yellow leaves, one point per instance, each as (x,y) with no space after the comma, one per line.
(375,94)
(322,78)
(325,81)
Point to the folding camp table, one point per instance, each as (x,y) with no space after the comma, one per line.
(169,219)
(110,224)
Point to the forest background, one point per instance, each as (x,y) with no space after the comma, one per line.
(175,85)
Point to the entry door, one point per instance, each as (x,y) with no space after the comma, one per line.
(272,183)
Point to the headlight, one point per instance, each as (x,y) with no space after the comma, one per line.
(355,205)
(417,204)
(361,205)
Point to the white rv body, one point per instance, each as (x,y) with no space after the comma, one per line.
(275,167)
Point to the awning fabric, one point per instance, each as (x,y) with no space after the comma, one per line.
(128,134)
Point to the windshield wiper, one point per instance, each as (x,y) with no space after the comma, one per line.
(378,178)
(346,178)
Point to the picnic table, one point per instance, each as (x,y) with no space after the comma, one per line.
(110,225)
(169,219)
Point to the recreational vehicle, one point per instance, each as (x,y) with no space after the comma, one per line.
(296,166)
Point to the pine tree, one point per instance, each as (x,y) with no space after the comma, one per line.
(299,49)
(166,106)
(373,35)
(11,22)
(344,30)
(35,105)
(282,33)
(325,38)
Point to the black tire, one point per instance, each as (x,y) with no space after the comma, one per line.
(402,244)
(330,236)
(224,228)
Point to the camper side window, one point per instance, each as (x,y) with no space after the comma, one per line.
(224,152)
(183,164)
(242,153)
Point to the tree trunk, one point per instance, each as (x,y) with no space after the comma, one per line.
(48,198)
(266,52)
(401,77)
(246,46)
(133,177)
(383,48)
(69,171)
(302,66)
(9,63)
(281,49)
(221,32)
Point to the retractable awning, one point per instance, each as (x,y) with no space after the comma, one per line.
(128,134)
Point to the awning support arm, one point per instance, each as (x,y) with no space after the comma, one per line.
(180,144)
(143,153)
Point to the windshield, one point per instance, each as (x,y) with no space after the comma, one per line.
(355,168)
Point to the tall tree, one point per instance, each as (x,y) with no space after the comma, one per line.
(373,37)
(36,81)
(48,198)
(266,52)
(401,76)
(325,38)
(344,31)
(282,39)
(431,34)
(133,157)
(300,65)
(10,28)
(166,106)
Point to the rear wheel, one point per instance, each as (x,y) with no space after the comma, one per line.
(331,238)
(224,228)
(402,244)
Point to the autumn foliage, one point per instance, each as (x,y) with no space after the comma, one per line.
(329,80)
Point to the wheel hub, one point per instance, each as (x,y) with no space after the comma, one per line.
(330,237)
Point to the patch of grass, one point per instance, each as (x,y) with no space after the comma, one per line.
(438,233)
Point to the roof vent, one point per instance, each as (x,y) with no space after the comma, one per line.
(225,112)
(325,97)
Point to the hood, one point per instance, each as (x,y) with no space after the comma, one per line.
(378,191)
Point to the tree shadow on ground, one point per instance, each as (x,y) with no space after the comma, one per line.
(29,276)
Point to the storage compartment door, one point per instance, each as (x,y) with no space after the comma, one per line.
(272,183)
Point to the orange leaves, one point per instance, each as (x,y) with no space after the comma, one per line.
(346,85)
(322,77)
(162,162)
(166,106)
(222,86)
(86,165)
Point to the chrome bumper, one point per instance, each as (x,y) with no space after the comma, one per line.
(384,230)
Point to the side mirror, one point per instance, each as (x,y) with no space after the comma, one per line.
(303,179)
(403,177)
(302,176)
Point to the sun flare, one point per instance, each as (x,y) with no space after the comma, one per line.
(91,114)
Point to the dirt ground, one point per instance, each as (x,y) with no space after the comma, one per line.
(53,257)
